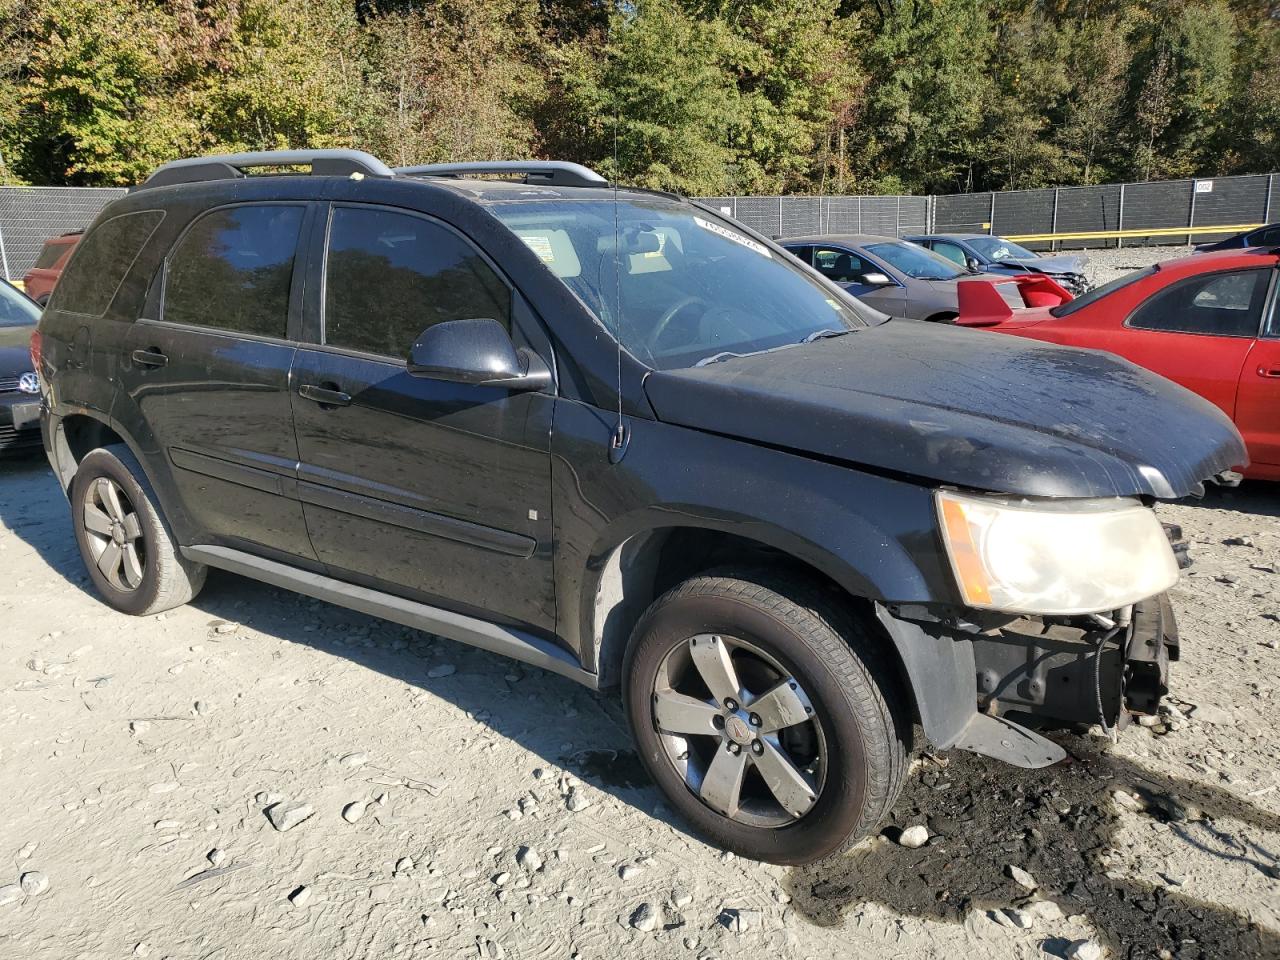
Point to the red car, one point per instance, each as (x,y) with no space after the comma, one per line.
(1209,322)
(43,276)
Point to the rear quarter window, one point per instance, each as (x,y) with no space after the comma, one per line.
(50,255)
(101,262)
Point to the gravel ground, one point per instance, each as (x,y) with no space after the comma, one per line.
(1105,265)
(453,803)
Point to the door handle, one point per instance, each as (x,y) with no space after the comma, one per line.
(149,358)
(1273,372)
(329,396)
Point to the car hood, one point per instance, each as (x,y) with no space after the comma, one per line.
(963,407)
(1065,263)
(15,350)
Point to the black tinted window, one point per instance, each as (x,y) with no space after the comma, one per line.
(1267,238)
(101,261)
(50,254)
(233,268)
(1097,293)
(841,265)
(390,276)
(1221,304)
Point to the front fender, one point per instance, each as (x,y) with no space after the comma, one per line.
(875,536)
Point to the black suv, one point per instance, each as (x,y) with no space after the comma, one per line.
(609,432)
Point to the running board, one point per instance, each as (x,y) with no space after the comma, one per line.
(420,616)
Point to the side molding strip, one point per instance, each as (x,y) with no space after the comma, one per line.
(420,616)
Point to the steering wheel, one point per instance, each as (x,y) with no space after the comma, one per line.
(668,315)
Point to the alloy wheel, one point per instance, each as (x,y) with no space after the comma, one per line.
(113,531)
(740,730)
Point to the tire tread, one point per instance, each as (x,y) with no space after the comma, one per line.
(178,579)
(868,679)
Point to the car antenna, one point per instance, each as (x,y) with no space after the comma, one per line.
(621,438)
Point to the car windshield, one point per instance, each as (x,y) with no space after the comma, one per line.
(916,262)
(684,285)
(993,248)
(1097,293)
(15,309)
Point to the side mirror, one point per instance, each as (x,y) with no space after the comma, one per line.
(972,263)
(876,279)
(478,352)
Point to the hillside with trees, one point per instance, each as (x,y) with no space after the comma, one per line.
(699,96)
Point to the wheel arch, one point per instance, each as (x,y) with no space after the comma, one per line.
(75,432)
(633,573)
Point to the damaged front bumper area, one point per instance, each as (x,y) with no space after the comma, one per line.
(988,688)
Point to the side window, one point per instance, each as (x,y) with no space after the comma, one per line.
(49,255)
(101,262)
(951,251)
(1225,304)
(841,265)
(389,276)
(233,268)
(803,254)
(1270,237)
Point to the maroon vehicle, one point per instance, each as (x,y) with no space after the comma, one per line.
(43,276)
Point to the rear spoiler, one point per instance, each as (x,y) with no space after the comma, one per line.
(982,304)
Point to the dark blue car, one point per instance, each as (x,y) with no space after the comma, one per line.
(1268,236)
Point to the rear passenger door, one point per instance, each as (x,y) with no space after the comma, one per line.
(433,490)
(208,365)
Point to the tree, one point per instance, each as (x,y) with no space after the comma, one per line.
(795,74)
(656,109)
(703,96)
(456,80)
(1183,82)
(1098,61)
(922,113)
(86,111)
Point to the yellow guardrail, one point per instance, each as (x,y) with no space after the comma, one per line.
(19,285)
(1121,234)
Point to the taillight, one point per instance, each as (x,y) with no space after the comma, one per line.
(35,351)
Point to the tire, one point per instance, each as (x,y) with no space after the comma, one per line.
(157,577)
(769,625)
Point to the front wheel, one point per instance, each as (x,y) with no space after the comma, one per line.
(770,723)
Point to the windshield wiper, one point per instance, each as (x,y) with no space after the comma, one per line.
(823,334)
(717,357)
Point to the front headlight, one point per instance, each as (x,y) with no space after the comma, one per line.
(1054,557)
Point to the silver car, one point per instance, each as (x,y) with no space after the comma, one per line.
(895,276)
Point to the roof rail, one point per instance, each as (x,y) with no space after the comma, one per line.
(552,173)
(231,166)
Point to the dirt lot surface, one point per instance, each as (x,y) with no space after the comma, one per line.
(498,811)
(1106,265)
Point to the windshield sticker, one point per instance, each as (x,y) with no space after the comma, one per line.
(728,234)
(541,246)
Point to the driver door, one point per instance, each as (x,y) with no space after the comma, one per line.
(851,270)
(433,490)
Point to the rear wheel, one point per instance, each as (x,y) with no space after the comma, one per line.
(769,722)
(126,546)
